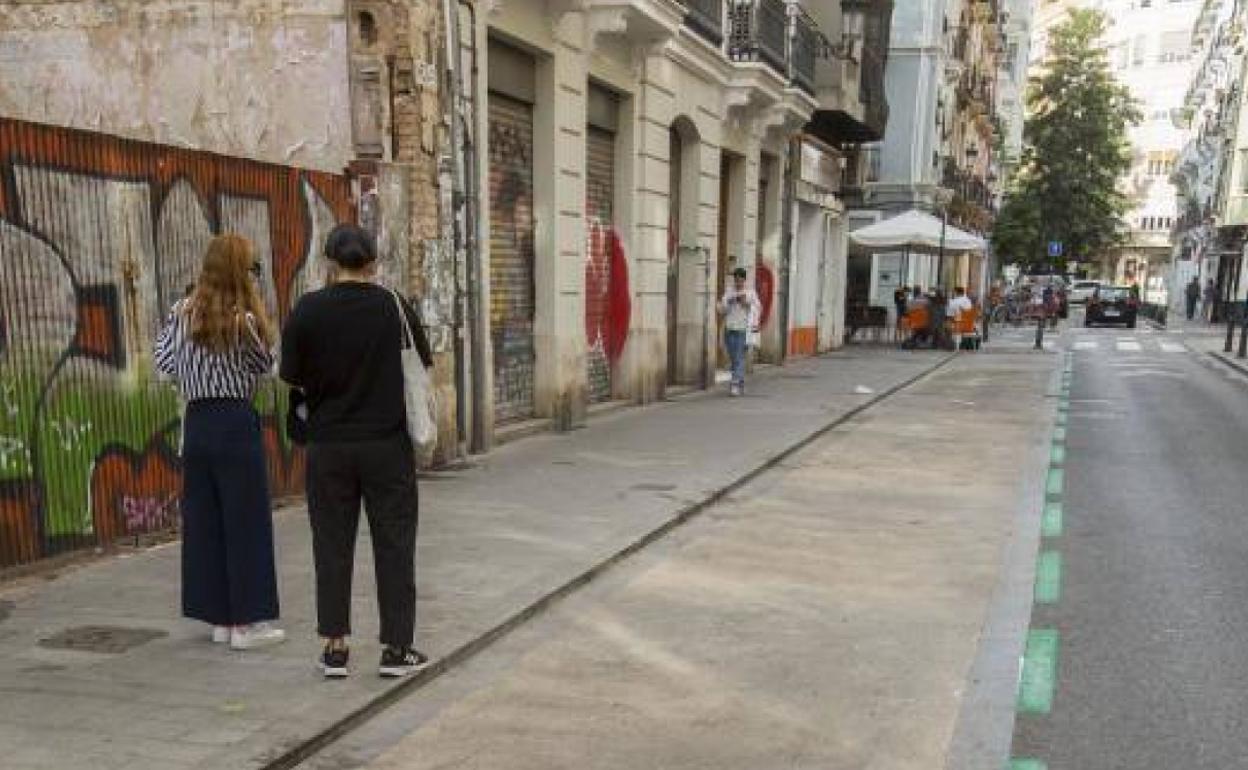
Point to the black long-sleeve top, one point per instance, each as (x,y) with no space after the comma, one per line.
(341,346)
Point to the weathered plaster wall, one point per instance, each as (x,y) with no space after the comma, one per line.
(262,79)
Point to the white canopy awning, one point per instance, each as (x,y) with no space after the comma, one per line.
(915,230)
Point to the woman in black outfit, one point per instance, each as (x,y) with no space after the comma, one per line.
(341,348)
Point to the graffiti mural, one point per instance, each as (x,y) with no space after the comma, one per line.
(99,236)
(608,306)
(765,287)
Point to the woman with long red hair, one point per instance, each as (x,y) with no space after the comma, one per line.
(216,344)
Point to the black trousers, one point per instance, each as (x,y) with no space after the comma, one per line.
(228,572)
(382,475)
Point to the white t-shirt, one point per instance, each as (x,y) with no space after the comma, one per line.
(959,305)
(740,313)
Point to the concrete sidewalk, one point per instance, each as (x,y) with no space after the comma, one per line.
(1210,339)
(497,538)
(859,606)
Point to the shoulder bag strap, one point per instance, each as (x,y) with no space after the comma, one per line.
(409,340)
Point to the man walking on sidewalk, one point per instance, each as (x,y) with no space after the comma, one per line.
(741,308)
(1193,296)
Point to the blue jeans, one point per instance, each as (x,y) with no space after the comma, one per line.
(734,340)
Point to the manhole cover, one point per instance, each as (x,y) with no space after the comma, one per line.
(108,640)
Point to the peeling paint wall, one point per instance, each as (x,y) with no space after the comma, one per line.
(260,79)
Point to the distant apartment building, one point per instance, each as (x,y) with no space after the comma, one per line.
(1149,45)
(939,150)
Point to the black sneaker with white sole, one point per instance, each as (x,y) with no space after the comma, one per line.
(401,661)
(334,663)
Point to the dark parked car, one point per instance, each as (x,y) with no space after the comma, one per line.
(1112,305)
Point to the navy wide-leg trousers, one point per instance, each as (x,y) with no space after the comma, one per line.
(228,573)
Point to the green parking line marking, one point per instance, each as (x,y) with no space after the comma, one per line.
(1057,454)
(1061,418)
(1059,434)
(1049,578)
(1035,687)
(1027,764)
(1056,481)
(1051,523)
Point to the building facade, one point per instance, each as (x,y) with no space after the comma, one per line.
(563,185)
(838,156)
(130,134)
(629,157)
(939,150)
(1212,174)
(1149,45)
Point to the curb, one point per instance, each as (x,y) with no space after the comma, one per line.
(983,730)
(1230,360)
(292,757)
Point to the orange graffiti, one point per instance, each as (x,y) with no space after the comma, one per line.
(121,476)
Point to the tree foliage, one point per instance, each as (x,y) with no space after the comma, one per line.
(1076,151)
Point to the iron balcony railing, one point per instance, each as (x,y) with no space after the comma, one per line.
(804,46)
(706,17)
(759,32)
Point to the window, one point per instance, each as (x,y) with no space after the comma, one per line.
(1120,56)
(1139,50)
(1243,172)
(1174,47)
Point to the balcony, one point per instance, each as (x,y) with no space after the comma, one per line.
(706,17)
(804,46)
(759,32)
(1236,211)
(849,81)
(975,93)
(973,198)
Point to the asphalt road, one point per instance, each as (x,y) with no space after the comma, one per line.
(1153,613)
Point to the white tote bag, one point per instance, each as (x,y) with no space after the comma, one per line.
(418,396)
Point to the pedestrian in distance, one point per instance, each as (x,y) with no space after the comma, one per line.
(1193,297)
(918,318)
(960,304)
(900,297)
(1211,295)
(216,344)
(740,308)
(938,321)
(342,349)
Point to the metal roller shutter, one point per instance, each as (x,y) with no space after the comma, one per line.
(511,256)
(600,225)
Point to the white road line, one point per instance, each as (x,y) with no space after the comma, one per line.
(1086,345)
(1172,347)
(1128,346)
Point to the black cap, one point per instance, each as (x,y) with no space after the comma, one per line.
(350,246)
(740,272)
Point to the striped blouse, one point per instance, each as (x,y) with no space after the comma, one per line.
(202,373)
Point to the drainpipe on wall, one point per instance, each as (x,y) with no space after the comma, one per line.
(788,226)
(462,221)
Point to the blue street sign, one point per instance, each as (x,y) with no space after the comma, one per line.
(1055,248)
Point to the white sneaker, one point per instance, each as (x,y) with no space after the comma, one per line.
(256,635)
(220,634)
